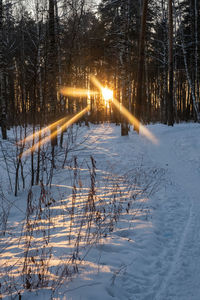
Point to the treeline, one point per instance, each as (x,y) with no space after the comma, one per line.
(48,44)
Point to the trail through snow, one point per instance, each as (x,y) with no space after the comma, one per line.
(163,262)
(180,153)
(154,252)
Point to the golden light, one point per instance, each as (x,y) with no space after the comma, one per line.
(44,130)
(74,92)
(64,123)
(133,120)
(54,133)
(107,94)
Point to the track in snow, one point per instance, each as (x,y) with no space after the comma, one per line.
(180,279)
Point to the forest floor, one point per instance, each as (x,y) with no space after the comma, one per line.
(152,252)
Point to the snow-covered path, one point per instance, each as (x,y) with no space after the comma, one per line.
(180,154)
(163,262)
(154,251)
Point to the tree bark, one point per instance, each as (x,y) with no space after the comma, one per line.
(52,67)
(140,98)
(171,67)
(2,78)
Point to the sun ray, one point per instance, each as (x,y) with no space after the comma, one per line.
(96,82)
(66,91)
(55,132)
(74,92)
(44,130)
(133,120)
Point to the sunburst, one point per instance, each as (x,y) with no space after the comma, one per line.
(67,121)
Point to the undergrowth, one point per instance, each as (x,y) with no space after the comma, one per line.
(58,233)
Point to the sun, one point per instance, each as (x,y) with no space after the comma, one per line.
(107,93)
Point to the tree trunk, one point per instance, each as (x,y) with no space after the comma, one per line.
(52,68)
(171,67)
(196,52)
(41,102)
(140,98)
(190,86)
(2,77)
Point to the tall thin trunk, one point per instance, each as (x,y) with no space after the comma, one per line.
(52,67)
(61,98)
(2,77)
(40,90)
(171,67)
(196,50)
(57,32)
(124,54)
(190,86)
(140,98)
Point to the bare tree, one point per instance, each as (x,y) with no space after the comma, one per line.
(52,67)
(140,77)
(191,86)
(196,6)
(171,68)
(2,77)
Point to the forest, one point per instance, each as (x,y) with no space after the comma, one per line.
(99,149)
(147,53)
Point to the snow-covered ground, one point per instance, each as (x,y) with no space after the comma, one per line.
(153,251)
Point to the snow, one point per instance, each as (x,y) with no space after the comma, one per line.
(153,251)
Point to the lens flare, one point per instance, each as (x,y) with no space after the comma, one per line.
(42,131)
(55,132)
(133,120)
(68,91)
(74,92)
